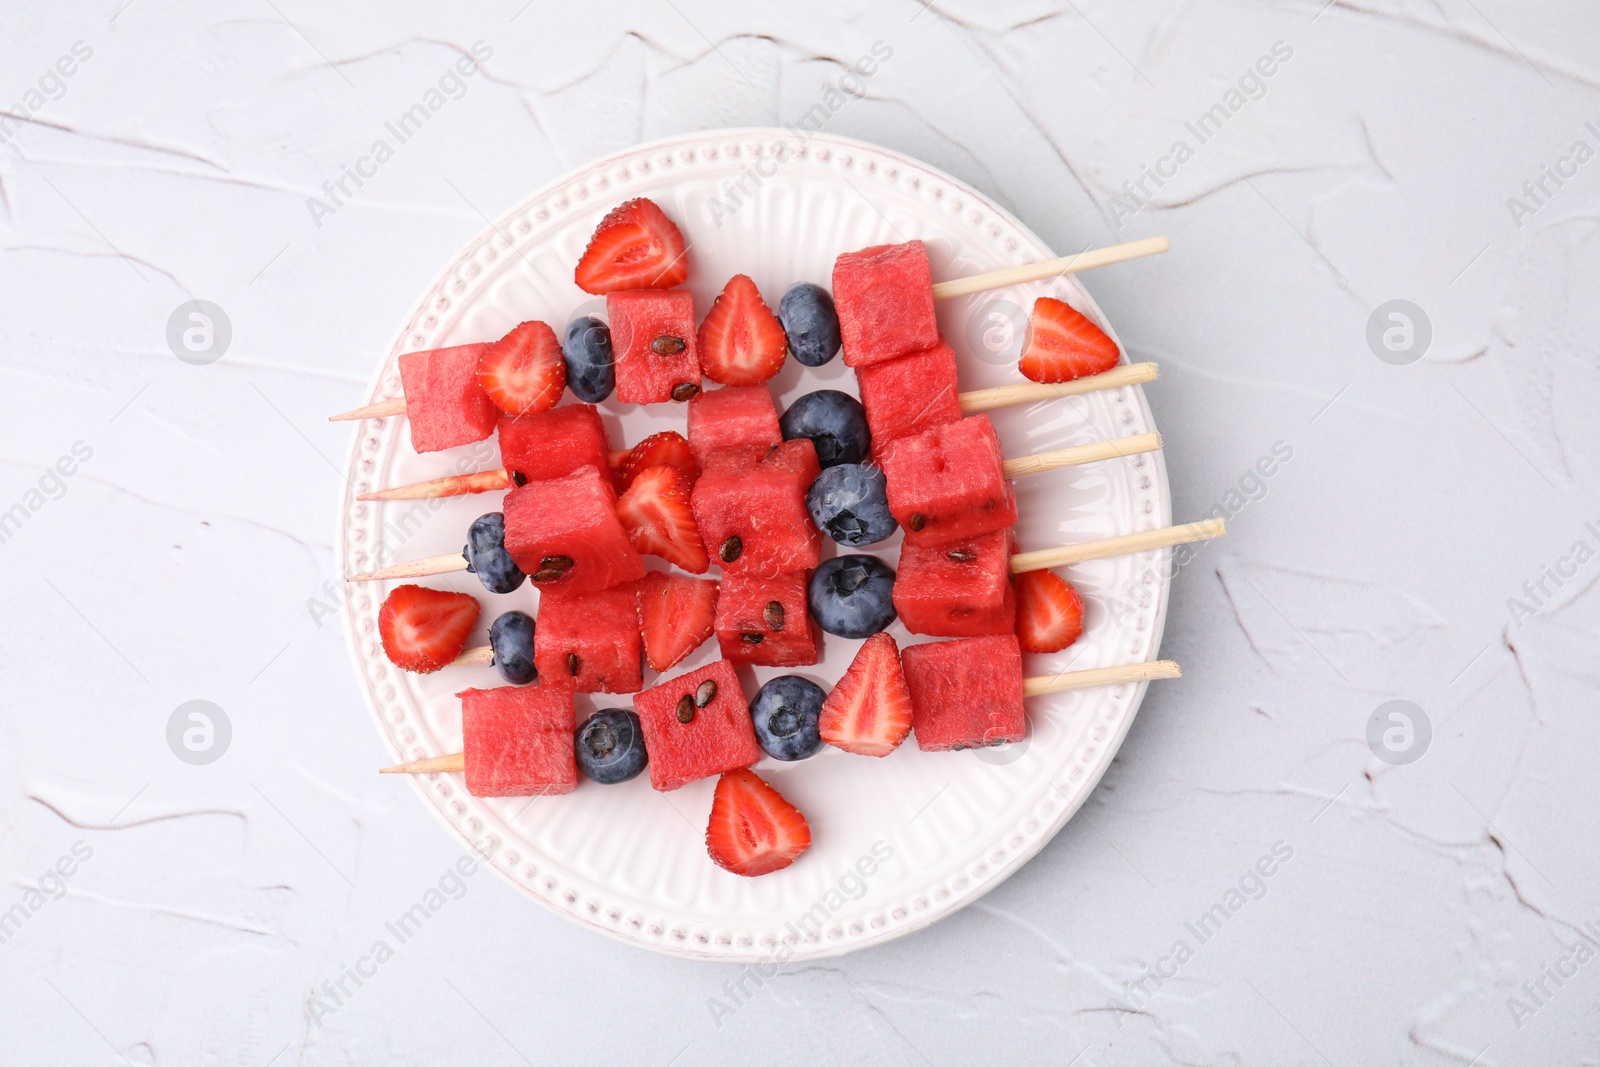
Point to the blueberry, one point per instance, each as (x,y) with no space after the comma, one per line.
(610,746)
(812,324)
(785,714)
(511,638)
(835,422)
(487,556)
(591,368)
(850,503)
(851,595)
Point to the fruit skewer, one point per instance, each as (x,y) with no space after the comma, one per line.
(1095,677)
(974,402)
(996,279)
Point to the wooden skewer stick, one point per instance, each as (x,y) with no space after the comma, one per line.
(977,283)
(453,485)
(1116,448)
(1031,687)
(417,568)
(474,657)
(1045,558)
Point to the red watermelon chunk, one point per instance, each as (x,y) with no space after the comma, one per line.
(653,338)
(519,740)
(553,443)
(591,640)
(445,405)
(966,693)
(959,589)
(947,484)
(885,299)
(718,736)
(908,395)
(752,516)
(764,621)
(733,420)
(565,534)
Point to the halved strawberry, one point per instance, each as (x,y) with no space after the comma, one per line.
(753,829)
(655,511)
(523,372)
(1049,612)
(1063,344)
(676,615)
(424,629)
(635,247)
(667,448)
(741,341)
(869,710)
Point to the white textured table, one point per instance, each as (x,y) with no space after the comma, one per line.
(1424,533)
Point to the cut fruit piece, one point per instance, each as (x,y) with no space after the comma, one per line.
(1049,612)
(653,341)
(676,615)
(518,740)
(741,340)
(733,422)
(553,443)
(635,247)
(659,519)
(948,483)
(524,372)
(885,299)
(667,448)
(753,830)
(565,535)
(696,725)
(590,642)
(909,395)
(959,589)
(445,405)
(966,693)
(753,517)
(869,710)
(1064,344)
(764,621)
(424,629)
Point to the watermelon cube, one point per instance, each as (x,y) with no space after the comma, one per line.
(653,338)
(959,589)
(885,299)
(445,405)
(519,740)
(565,534)
(948,483)
(764,621)
(906,396)
(696,725)
(966,693)
(752,514)
(736,420)
(591,641)
(553,443)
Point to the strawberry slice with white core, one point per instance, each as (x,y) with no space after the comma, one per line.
(425,629)
(1063,344)
(869,710)
(1049,612)
(635,247)
(523,372)
(753,829)
(676,616)
(667,448)
(741,342)
(655,512)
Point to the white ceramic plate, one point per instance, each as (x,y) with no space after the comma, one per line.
(898,842)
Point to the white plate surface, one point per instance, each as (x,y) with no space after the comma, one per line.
(628,861)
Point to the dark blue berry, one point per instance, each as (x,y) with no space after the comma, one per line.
(487,556)
(812,324)
(511,638)
(785,714)
(610,746)
(591,368)
(850,503)
(851,596)
(835,422)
